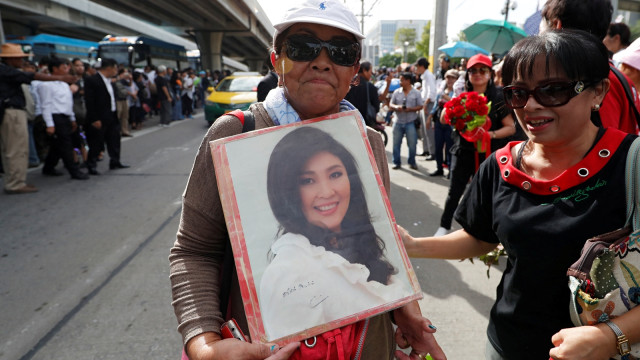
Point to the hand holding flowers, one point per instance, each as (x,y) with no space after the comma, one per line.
(468,114)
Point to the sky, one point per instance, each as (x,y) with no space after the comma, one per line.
(462,13)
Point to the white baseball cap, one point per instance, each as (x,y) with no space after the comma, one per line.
(324,12)
(630,55)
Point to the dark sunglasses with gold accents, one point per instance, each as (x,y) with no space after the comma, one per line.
(551,94)
(482,70)
(341,51)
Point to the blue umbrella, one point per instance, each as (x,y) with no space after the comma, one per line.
(496,36)
(462,49)
(532,24)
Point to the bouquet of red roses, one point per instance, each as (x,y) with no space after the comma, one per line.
(467,114)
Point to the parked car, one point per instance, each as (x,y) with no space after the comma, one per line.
(236,91)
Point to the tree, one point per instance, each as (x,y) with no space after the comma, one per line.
(635,31)
(462,36)
(412,57)
(405,34)
(422,46)
(390,60)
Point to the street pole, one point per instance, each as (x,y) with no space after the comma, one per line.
(438,36)
(506,10)
(362,17)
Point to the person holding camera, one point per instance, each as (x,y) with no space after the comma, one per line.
(406,102)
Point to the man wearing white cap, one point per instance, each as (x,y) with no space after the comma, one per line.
(629,62)
(14,135)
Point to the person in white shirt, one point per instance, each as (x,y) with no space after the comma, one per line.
(187,94)
(429,92)
(56,105)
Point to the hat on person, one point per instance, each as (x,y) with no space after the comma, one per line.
(161,68)
(10,50)
(444,57)
(324,12)
(452,73)
(422,62)
(479,59)
(630,56)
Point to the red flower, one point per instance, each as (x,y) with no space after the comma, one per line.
(467,113)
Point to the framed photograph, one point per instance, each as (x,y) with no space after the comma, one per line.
(313,235)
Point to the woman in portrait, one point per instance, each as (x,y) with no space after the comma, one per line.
(328,262)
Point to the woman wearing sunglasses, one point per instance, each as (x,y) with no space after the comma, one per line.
(543,197)
(478,78)
(316,52)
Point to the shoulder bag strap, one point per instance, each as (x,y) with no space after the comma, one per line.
(632,183)
(627,91)
(367,86)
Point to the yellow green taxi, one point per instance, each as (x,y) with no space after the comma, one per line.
(234,92)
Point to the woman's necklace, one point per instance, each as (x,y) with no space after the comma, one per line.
(527,152)
(520,163)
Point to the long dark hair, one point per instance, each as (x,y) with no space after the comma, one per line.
(357,242)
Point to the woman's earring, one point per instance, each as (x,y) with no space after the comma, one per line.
(595,107)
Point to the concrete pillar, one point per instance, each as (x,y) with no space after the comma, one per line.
(438,36)
(255,64)
(210,44)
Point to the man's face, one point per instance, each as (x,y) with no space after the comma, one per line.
(63,69)
(14,62)
(109,71)
(367,74)
(78,67)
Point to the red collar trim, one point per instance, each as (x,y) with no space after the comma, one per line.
(595,160)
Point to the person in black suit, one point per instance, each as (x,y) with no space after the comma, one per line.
(102,125)
(268,82)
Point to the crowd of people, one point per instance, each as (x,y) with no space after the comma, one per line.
(562,120)
(59,109)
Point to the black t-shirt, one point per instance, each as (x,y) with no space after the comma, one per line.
(357,96)
(10,81)
(543,230)
(268,82)
(161,82)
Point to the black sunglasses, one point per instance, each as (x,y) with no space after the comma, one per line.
(550,94)
(481,70)
(306,48)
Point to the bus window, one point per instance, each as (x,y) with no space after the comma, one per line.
(117,52)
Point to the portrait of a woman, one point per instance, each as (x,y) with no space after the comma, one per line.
(327,262)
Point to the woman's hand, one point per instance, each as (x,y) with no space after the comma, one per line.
(209,346)
(408,240)
(584,342)
(415,331)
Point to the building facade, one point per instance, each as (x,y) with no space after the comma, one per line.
(383,35)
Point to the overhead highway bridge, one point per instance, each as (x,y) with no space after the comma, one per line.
(237,29)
